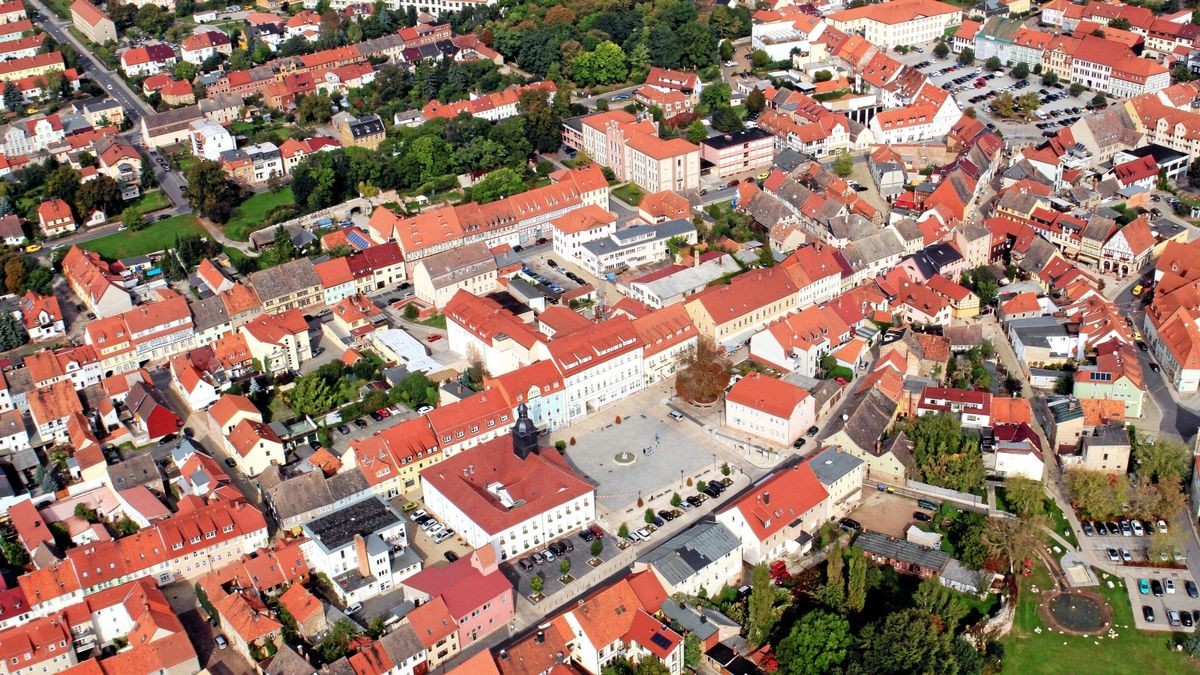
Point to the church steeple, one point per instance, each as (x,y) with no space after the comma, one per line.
(524,434)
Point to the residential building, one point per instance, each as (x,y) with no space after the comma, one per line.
(730,314)
(471,593)
(634,246)
(973,408)
(779,515)
(54,218)
(149,60)
(539,387)
(92,22)
(41,316)
(198,47)
(280,342)
(363,549)
(470,268)
(210,140)
(798,341)
(580,226)
(769,408)
(842,475)
(600,366)
(699,561)
(742,153)
(365,131)
(479,326)
(668,339)
(254,447)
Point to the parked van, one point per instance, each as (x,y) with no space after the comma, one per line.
(675,415)
(927,505)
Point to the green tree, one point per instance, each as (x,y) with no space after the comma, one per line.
(822,76)
(312,395)
(1020,71)
(603,65)
(760,59)
(967,56)
(940,50)
(1026,496)
(931,596)
(676,500)
(314,109)
(856,585)
(761,615)
(210,191)
(501,183)
(99,194)
(282,249)
(649,516)
(185,71)
(1162,459)
(725,119)
(12,96)
(133,219)
(650,665)
(12,332)
(945,456)
(906,641)
(40,281)
(691,650)
(86,513)
(63,183)
(1120,23)
(1094,494)
(597,547)
(536,583)
(715,95)
(818,643)
(843,163)
(14,552)
(696,131)
(564,567)
(336,643)
(411,312)
(1099,100)
(756,101)
(726,50)
(993,63)
(1005,105)
(1028,103)
(126,527)
(623,531)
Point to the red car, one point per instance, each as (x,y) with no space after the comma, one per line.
(384,412)
(840,380)
(595,530)
(778,568)
(434,338)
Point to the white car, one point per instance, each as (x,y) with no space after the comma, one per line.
(644,533)
(424,409)
(548,555)
(1138,531)
(417,514)
(1162,527)
(1169,585)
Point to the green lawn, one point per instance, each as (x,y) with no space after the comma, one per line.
(235,255)
(435,321)
(150,202)
(156,237)
(1027,652)
(1058,522)
(250,216)
(629,193)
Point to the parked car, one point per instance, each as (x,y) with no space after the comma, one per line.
(658,522)
(1144,586)
(922,516)
(1100,529)
(1156,588)
(451,556)
(343,429)
(1088,529)
(376,416)
(548,555)
(1148,613)
(538,559)
(222,643)
(1162,524)
(1113,556)
(644,533)
(417,514)
(812,431)
(586,535)
(229,462)
(695,500)
(1169,586)
(525,564)
(851,524)
(1136,525)
(360,423)
(1186,618)
(1190,586)
(596,531)
(1173,617)
(1126,529)
(666,515)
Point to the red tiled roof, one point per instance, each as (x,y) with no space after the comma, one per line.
(780,499)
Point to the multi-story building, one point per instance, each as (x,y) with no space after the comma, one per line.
(280,342)
(580,226)
(668,339)
(634,246)
(655,164)
(293,285)
(777,511)
(471,268)
(475,491)
(539,387)
(148,60)
(741,153)
(905,22)
(730,314)
(769,408)
(479,327)
(493,107)
(210,140)
(363,549)
(600,366)
(54,217)
(92,22)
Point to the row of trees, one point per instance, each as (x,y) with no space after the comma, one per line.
(1162,467)
(944,454)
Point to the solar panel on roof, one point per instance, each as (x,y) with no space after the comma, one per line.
(661,640)
(358,240)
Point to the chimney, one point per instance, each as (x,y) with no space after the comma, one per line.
(540,638)
(360,549)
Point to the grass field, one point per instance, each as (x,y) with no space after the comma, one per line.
(150,202)
(1027,652)
(250,216)
(156,237)
(629,193)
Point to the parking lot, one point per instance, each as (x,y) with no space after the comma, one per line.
(883,512)
(973,86)
(1159,599)
(551,570)
(1125,547)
